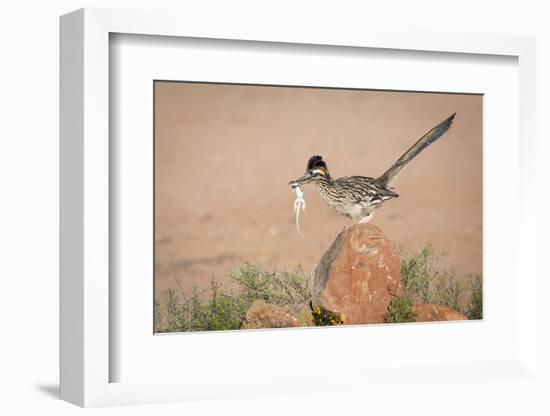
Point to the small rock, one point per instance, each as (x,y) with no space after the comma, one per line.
(428,312)
(304,316)
(358,275)
(265,315)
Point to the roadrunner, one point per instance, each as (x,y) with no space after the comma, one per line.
(357,197)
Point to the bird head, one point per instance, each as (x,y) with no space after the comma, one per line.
(316,171)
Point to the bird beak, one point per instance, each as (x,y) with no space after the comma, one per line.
(300,181)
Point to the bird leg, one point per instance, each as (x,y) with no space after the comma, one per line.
(366,218)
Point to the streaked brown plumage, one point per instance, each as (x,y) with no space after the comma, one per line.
(357,197)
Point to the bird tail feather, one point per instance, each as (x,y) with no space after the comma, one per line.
(387,178)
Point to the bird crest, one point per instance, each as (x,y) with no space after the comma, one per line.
(316,162)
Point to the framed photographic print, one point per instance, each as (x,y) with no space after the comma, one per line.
(245,214)
(230,254)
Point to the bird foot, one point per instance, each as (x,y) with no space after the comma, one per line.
(366,219)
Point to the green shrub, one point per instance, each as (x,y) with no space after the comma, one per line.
(474,309)
(424,281)
(447,291)
(400,310)
(418,270)
(286,288)
(157,314)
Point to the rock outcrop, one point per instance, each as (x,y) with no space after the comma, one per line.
(358,275)
(428,312)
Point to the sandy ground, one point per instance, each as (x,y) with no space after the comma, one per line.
(225,155)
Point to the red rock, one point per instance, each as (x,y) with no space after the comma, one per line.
(358,275)
(266,315)
(428,312)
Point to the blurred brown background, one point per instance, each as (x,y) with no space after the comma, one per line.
(225,155)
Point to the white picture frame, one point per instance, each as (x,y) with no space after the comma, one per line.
(87,356)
